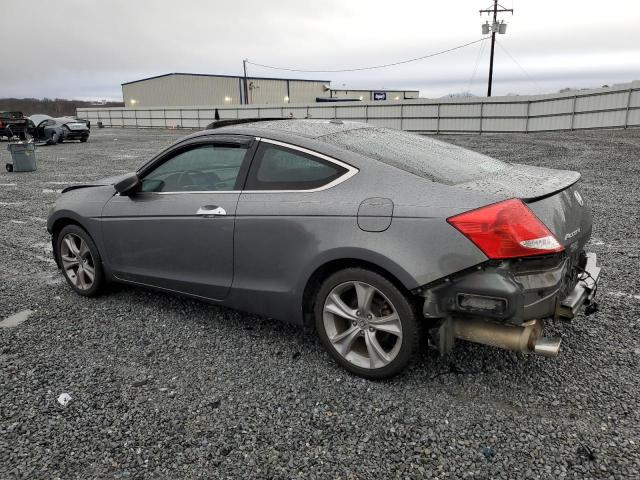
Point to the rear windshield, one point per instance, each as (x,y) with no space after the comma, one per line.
(423,156)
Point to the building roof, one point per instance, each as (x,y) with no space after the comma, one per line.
(349,89)
(225,76)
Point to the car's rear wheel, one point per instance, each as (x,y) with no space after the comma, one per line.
(80,260)
(366,323)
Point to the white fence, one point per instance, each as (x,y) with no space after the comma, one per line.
(610,107)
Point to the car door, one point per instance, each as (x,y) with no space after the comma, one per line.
(176,233)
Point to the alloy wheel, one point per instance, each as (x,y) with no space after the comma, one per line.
(77,261)
(362,325)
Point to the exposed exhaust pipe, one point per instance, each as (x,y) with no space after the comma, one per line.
(526,338)
(547,347)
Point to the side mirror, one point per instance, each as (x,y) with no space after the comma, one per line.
(128,185)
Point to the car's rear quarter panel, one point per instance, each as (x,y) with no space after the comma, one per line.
(282,238)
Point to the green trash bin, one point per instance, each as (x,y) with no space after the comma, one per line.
(23,157)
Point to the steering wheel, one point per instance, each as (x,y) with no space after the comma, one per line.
(192,180)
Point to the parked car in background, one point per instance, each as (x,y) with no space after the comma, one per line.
(88,122)
(13,124)
(368,233)
(44,128)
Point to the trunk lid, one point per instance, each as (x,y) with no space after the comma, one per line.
(551,194)
(567,215)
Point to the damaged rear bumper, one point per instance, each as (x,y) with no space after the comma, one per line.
(584,291)
(505,304)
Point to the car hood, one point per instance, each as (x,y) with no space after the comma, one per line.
(524,181)
(98,183)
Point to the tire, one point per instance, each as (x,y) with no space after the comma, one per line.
(84,139)
(357,337)
(70,256)
(61,139)
(9,167)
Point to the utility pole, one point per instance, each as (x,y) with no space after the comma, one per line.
(246,89)
(495,27)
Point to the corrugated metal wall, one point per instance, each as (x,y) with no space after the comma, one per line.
(611,107)
(176,90)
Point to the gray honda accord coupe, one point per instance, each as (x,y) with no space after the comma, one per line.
(371,235)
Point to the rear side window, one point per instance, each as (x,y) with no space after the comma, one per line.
(281,168)
(424,156)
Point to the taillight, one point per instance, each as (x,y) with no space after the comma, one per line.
(1,124)
(506,230)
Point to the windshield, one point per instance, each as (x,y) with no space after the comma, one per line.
(424,156)
(38,118)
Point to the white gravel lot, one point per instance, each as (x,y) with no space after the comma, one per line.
(164,387)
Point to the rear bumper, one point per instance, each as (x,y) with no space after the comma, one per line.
(583,292)
(76,134)
(516,291)
(530,292)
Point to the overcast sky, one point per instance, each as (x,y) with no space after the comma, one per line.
(87,48)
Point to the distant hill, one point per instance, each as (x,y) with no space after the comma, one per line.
(58,107)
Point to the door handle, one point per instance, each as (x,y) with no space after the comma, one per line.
(211,211)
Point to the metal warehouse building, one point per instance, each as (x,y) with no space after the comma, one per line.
(190,89)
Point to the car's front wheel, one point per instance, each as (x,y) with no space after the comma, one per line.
(366,323)
(80,260)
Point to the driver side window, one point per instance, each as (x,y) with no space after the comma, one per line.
(204,168)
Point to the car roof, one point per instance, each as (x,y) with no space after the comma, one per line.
(288,128)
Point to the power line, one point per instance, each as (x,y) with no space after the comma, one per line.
(371,67)
(529,77)
(475,68)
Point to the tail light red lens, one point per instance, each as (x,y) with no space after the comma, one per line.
(1,124)
(506,230)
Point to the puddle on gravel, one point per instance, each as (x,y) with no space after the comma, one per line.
(9,204)
(16,319)
(624,295)
(8,184)
(48,190)
(19,222)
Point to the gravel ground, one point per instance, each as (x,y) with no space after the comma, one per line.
(164,387)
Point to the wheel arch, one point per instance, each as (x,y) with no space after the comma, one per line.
(56,227)
(396,275)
